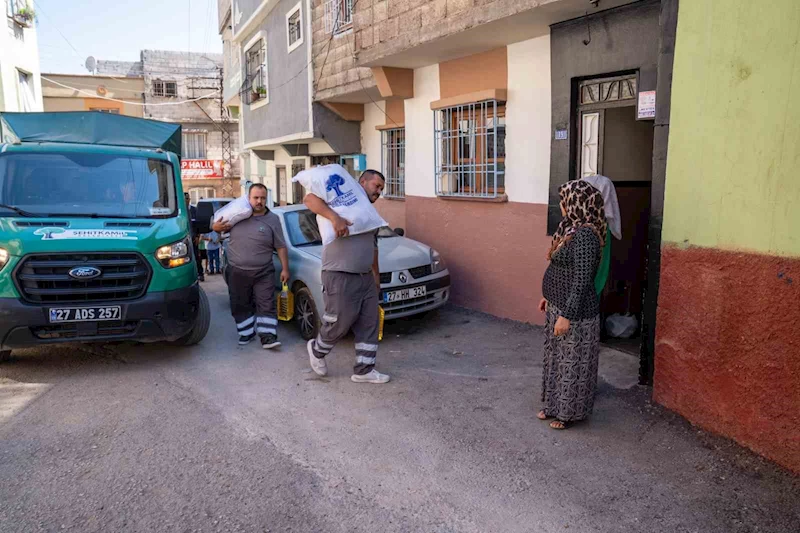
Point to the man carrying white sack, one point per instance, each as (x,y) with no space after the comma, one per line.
(350,279)
(250,273)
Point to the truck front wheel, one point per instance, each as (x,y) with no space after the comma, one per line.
(201,324)
(5,355)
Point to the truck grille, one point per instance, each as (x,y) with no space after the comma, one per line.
(45,278)
(74,331)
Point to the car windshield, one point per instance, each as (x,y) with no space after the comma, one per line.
(92,185)
(303,230)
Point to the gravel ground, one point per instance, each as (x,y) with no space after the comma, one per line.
(222,438)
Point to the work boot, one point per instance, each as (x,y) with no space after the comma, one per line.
(245,339)
(317,365)
(372,377)
(269,341)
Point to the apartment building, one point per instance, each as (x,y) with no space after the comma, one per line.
(107,94)
(185,88)
(20,83)
(269,52)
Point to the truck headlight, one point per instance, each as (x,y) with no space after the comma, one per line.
(3,257)
(437,263)
(175,254)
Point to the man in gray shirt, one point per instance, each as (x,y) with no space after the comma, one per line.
(250,272)
(351,285)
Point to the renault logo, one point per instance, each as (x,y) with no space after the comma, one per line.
(403,277)
(85,273)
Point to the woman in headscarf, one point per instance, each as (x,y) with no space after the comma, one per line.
(571,305)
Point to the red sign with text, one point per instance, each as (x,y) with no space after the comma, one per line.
(202,168)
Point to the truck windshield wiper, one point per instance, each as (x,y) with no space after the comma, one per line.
(19,211)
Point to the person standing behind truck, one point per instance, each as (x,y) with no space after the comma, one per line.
(251,274)
(195,237)
(212,251)
(351,285)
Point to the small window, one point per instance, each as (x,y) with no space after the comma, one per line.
(393,162)
(165,89)
(194,145)
(256,71)
(338,16)
(201,193)
(471,150)
(294,27)
(27,98)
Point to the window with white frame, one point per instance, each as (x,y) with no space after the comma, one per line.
(338,15)
(200,193)
(256,71)
(393,162)
(194,145)
(166,89)
(470,156)
(294,27)
(27,98)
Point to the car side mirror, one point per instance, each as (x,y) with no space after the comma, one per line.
(400,231)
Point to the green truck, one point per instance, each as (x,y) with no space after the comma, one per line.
(95,235)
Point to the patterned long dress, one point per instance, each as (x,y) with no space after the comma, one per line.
(569,376)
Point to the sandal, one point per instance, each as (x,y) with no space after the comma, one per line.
(541,415)
(559,425)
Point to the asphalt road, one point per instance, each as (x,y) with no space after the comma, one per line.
(222,438)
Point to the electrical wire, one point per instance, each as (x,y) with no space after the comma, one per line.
(205,96)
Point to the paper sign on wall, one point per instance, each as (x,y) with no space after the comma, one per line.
(647,105)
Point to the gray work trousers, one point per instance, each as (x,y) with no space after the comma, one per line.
(351,302)
(252,294)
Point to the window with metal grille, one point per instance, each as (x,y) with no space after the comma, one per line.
(393,162)
(194,145)
(294,27)
(256,71)
(167,89)
(470,142)
(338,15)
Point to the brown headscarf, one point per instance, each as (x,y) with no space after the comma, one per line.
(584,206)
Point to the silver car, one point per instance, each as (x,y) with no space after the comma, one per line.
(414,278)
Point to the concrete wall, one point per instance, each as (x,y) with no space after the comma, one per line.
(19,50)
(88,92)
(727,355)
(335,73)
(287,108)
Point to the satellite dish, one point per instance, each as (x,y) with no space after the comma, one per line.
(91,64)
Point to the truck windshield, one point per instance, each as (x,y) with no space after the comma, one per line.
(92,185)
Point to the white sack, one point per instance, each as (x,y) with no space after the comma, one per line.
(337,188)
(236,211)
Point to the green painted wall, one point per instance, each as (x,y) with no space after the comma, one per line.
(733,168)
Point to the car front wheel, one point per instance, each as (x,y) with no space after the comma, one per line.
(306,313)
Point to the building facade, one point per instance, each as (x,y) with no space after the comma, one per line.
(187,89)
(727,352)
(107,94)
(20,82)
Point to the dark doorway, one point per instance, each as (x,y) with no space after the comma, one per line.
(612,142)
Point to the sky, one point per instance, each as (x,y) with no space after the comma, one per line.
(69,31)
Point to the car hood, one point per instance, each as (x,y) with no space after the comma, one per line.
(396,253)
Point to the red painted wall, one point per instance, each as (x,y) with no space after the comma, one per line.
(728,346)
(495,251)
(393,212)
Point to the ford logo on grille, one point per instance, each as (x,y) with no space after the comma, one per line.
(85,273)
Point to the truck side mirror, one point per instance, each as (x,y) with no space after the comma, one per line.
(400,231)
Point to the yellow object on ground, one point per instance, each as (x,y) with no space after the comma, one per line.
(380,323)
